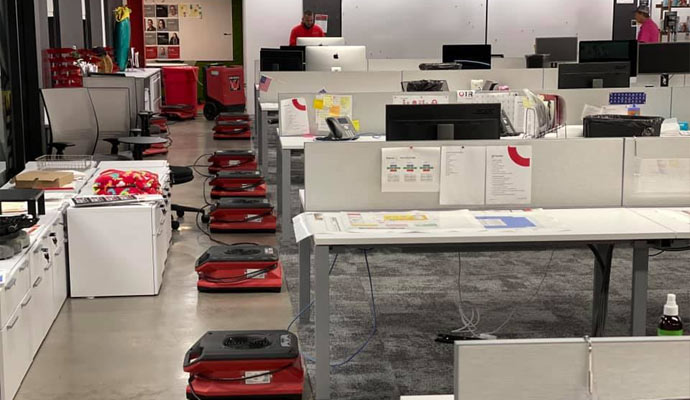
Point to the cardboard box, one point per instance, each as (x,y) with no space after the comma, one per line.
(43,179)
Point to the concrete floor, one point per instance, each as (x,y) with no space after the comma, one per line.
(132,348)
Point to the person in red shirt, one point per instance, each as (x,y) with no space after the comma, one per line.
(306,29)
(649,31)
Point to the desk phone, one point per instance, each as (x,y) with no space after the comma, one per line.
(341,128)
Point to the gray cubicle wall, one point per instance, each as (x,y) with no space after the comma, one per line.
(460,80)
(306,82)
(398,64)
(680,103)
(116,81)
(658,101)
(368,108)
(642,80)
(656,172)
(566,173)
(549,369)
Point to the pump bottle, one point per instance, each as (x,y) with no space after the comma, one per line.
(670,323)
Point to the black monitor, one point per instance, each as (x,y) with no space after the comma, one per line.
(594,75)
(443,122)
(559,49)
(610,51)
(664,58)
(281,60)
(471,56)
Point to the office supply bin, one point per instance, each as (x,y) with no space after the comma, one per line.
(238,184)
(245,267)
(621,126)
(242,214)
(245,365)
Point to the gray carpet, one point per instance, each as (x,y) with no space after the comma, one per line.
(417,296)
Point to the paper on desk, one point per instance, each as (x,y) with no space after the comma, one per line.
(509,174)
(294,117)
(517,220)
(306,225)
(658,176)
(410,169)
(413,99)
(463,175)
(410,221)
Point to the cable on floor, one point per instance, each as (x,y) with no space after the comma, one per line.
(471,322)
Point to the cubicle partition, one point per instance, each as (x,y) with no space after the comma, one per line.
(680,103)
(461,80)
(565,173)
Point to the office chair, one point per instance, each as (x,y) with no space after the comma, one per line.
(179,176)
(74,123)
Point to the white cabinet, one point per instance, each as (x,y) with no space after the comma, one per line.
(16,348)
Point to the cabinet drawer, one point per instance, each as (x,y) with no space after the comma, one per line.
(16,350)
(41,255)
(42,311)
(17,284)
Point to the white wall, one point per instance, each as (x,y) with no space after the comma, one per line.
(267,23)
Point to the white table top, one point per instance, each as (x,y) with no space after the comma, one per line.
(573,225)
(298,142)
(268,106)
(141,73)
(676,219)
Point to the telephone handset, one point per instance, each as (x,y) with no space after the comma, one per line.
(341,128)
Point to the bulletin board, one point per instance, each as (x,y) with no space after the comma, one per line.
(180,30)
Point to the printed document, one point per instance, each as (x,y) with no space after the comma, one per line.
(463,175)
(294,117)
(509,175)
(410,169)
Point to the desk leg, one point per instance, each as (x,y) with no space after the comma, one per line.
(285,189)
(263,140)
(322,316)
(600,294)
(256,140)
(639,289)
(304,278)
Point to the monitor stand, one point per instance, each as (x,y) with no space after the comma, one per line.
(445,132)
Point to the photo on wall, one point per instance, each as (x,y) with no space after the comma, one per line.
(174,52)
(162,25)
(150,25)
(163,39)
(149,10)
(150,39)
(162,52)
(174,39)
(151,52)
(172,24)
(172,11)
(161,11)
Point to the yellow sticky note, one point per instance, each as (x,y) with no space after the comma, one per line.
(327,101)
(335,111)
(345,102)
(318,104)
(355,123)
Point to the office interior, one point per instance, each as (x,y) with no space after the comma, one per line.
(434,200)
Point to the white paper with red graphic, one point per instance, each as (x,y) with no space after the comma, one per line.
(410,169)
(294,117)
(509,175)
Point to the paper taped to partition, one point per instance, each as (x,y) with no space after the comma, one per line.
(410,169)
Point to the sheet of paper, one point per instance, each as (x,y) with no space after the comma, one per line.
(410,221)
(420,99)
(508,175)
(410,169)
(463,175)
(671,176)
(322,21)
(331,106)
(294,117)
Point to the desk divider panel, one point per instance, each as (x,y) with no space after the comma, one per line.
(566,173)
(656,172)
(115,81)
(654,80)
(517,79)
(314,81)
(398,64)
(508,63)
(368,108)
(658,101)
(550,78)
(680,103)
(551,369)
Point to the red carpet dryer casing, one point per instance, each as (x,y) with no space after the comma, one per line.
(238,184)
(242,267)
(232,160)
(243,214)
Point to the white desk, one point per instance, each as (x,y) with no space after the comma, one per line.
(286,146)
(577,227)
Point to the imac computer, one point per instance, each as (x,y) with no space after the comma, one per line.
(443,122)
(559,49)
(610,51)
(336,58)
(664,58)
(470,56)
(594,75)
(320,41)
(281,60)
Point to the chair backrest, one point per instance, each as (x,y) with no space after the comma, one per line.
(112,114)
(118,81)
(72,118)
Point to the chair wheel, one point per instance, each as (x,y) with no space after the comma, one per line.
(175,225)
(205,219)
(179,213)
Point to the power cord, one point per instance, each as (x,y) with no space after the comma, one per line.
(471,323)
(194,165)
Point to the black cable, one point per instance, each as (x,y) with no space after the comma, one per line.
(239,278)
(203,191)
(656,254)
(194,165)
(662,249)
(205,232)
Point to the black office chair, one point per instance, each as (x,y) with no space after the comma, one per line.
(179,176)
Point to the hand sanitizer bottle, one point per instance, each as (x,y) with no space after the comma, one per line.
(670,323)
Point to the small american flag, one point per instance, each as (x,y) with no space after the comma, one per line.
(264,83)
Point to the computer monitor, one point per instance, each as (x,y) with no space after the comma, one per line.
(559,49)
(443,122)
(594,75)
(281,60)
(471,56)
(320,41)
(336,58)
(610,51)
(664,58)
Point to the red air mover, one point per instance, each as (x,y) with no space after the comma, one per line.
(224,90)
(242,214)
(227,365)
(245,267)
(232,116)
(232,130)
(232,160)
(180,85)
(238,184)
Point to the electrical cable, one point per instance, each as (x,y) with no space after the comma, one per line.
(657,254)
(240,278)
(471,323)
(205,232)
(203,190)
(308,306)
(194,165)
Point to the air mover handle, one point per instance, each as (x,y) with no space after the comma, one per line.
(195,353)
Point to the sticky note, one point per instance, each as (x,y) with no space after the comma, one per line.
(318,104)
(345,102)
(355,123)
(335,111)
(327,101)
